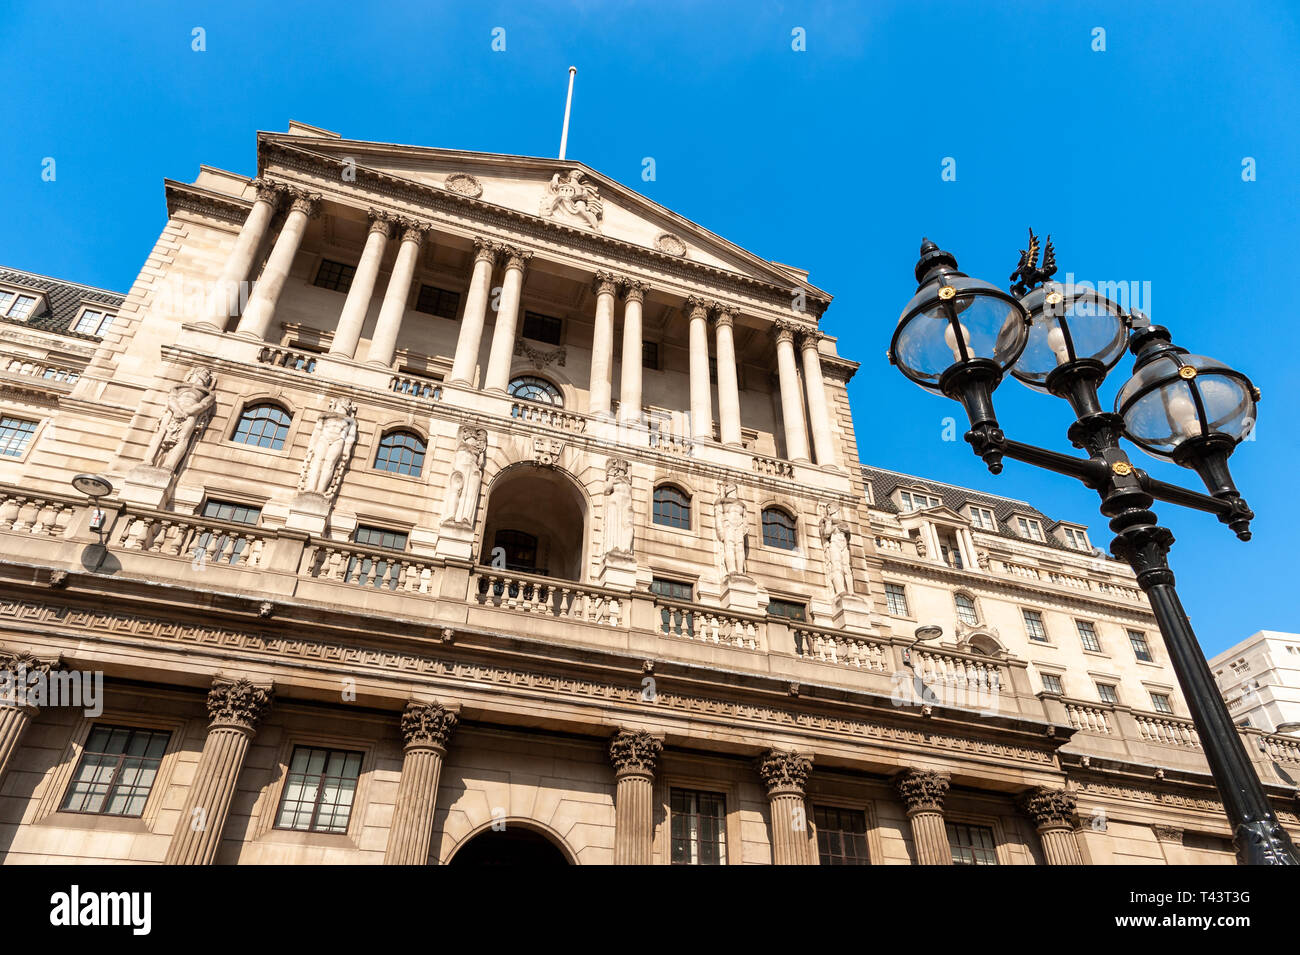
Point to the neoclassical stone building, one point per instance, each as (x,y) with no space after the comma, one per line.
(470,508)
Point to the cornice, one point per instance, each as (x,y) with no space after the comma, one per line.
(216,205)
(456,205)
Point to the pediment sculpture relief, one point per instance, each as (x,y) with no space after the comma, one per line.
(571,198)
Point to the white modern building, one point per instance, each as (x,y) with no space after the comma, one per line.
(1260,679)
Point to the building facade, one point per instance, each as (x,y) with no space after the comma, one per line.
(473,508)
(1260,681)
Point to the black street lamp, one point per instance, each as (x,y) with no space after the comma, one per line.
(958,336)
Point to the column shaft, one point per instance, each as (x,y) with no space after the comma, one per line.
(923,792)
(796,438)
(224,301)
(701,397)
(629,400)
(357,304)
(384,343)
(600,389)
(728,385)
(790,844)
(930,836)
(417,795)
(13,721)
(1054,812)
(504,334)
(1060,847)
(815,385)
(634,819)
(257,317)
(471,323)
(198,832)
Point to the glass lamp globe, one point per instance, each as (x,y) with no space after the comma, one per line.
(953,321)
(1069,323)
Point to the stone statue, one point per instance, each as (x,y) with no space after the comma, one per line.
(189,409)
(329,449)
(620,524)
(921,547)
(466,477)
(982,558)
(573,197)
(834,533)
(731,517)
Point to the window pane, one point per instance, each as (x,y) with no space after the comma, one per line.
(966,610)
(778,529)
(672,589)
(1052,683)
(787,609)
(672,508)
(532,388)
(896,600)
(1088,636)
(697,828)
(263,426)
(319,790)
(437,301)
(14,435)
(1106,693)
(971,845)
(542,328)
(841,836)
(1141,649)
(1034,625)
(401,452)
(335,275)
(116,772)
(378,537)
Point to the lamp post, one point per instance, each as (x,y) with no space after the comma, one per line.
(959,336)
(95,486)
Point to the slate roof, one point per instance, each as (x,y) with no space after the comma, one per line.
(62,301)
(884,482)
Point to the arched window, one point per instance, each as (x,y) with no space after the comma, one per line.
(966,609)
(401,452)
(532,388)
(263,426)
(778,528)
(672,507)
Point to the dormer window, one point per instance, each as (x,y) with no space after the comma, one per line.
(1030,528)
(915,500)
(16,305)
(1076,538)
(94,321)
(982,517)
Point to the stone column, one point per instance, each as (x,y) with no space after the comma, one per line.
(257,317)
(224,300)
(629,399)
(17,668)
(471,323)
(785,775)
(728,384)
(796,438)
(697,311)
(600,389)
(426,728)
(384,343)
(633,755)
(357,303)
(815,386)
(235,707)
(1053,811)
(922,793)
(503,336)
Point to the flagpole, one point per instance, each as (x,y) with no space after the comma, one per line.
(568,103)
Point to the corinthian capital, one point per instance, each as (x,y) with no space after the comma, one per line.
(411,229)
(634,753)
(486,250)
(269,191)
(723,314)
(784,772)
(427,724)
(809,337)
(239,703)
(17,670)
(922,790)
(516,258)
(605,283)
(381,222)
(1049,808)
(305,202)
(634,290)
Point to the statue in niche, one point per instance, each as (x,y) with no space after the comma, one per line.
(731,518)
(329,449)
(620,524)
(921,547)
(573,197)
(466,477)
(189,409)
(834,533)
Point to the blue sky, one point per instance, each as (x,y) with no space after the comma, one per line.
(827,158)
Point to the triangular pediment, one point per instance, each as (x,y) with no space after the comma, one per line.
(565,192)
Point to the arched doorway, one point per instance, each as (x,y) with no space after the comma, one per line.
(536,522)
(511,846)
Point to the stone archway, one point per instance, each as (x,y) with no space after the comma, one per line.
(513,845)
(537,516)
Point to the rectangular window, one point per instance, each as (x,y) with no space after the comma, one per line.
(5,299)
(378,537)
(1076,539)
(437,301)
(335,276)
(650,355)
(1088,636)
(1161,703)
(22,307)
(787,609)
(1034,625)
(972,845)
(982,518)
(699,828)
(219,547)
(319,790)
(896,599)
(672,589)
(116,772)
(15,433)
(1106,693)
(950,551)
(226,511)
(915,501)
(1052,683)
(1141,649)
(542,328)
(841,836)
(1029,528)
(93,322)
